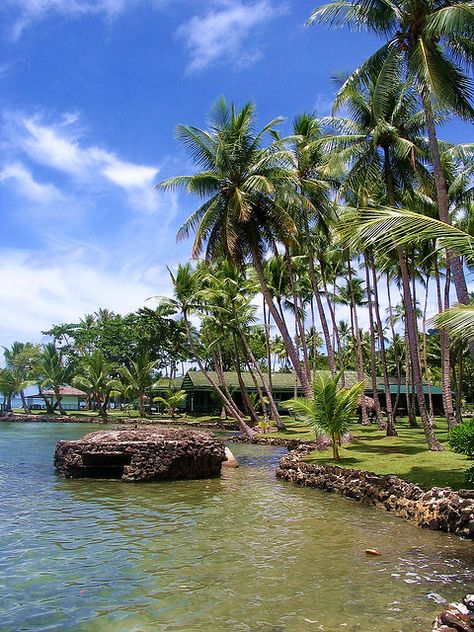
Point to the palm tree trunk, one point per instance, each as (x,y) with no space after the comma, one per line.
(226,402)
(360,356)
(299,327)
(395,351)
(445,358)
(290,347)
(266,324)
(390,426)
(24,403)
(319,304)
(425,338)
(373,362)
(273,408)
(454,262)
(433,442)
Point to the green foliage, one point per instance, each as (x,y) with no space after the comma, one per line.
(171,400)
(331,409)
(461,438)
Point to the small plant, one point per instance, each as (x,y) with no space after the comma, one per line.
(330,410)
(461,440)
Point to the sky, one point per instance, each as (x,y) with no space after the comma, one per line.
(91,92)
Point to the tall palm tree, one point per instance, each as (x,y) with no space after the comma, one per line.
(384,150)
(433,40)
(245,186)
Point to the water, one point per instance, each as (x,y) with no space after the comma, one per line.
(242,553)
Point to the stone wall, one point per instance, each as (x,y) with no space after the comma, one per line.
(437,508)
(456,617)
(144,454)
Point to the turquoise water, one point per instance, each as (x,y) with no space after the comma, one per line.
(242,553)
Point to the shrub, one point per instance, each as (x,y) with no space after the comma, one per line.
(461,440)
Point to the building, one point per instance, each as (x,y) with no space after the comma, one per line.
(202,399)
(71,398)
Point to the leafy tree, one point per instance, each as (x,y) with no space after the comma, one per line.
(330,410)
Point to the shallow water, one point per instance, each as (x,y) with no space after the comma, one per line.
(245,552)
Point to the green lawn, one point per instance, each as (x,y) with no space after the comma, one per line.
(406,456)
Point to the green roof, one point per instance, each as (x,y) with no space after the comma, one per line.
(170,383)
(435,390)
(281,382)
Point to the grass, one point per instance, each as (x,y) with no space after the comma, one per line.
(406,456)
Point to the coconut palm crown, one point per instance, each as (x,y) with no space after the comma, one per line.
(330,410)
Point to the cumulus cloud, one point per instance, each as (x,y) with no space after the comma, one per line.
(224,32)
(59,146)
(63,289)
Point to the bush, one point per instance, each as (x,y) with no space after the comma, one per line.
(469,475)
(461,438)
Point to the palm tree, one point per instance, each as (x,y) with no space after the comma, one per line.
(21,358)
(138,379)
(53,372)
(186,287)
(171,400)
(330,410)
(246,187)
(96,376)
(381,145)
(434,42)
(405,228)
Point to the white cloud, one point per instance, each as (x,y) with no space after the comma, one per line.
(43,291)
(223,32)
(59,146)
(26,12)
(28,187)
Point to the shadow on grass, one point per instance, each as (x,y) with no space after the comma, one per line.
(427,477)
(384,449)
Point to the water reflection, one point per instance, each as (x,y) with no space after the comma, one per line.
(244,552)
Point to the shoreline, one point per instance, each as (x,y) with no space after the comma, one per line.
(438,509)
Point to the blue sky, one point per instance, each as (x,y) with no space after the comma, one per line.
(90,94)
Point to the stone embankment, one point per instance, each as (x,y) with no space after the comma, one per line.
(438,508)
(146,454)
(456,617)
(122,421)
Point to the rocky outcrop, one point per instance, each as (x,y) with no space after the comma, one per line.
(457,617)
(437,508)
(145,454)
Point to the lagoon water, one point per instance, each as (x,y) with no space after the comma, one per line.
(245,552)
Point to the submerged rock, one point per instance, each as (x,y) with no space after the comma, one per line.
(145,454)
(230,461)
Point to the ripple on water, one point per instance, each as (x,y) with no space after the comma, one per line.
(244,552)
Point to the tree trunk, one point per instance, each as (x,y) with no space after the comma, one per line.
(290,348)
(227,403)
(24,403)
(360,356)
(425,358)
(433,442)
(395,352)
(373,362)
(319,304)
(390,426)
(453,261)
